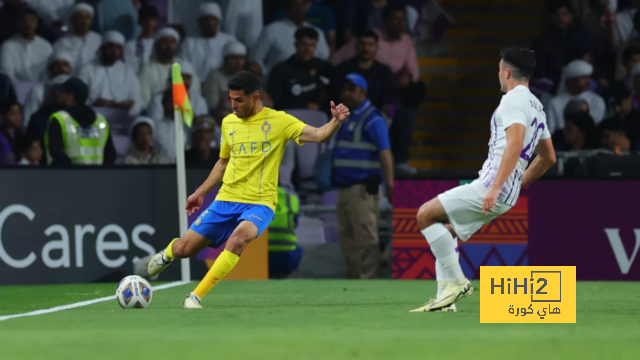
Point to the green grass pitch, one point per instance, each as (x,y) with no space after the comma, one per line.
(310,320)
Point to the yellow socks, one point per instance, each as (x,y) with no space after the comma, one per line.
(168,252)
(221,267)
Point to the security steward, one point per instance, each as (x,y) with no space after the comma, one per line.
(77,135)
(361,157)
(284,251)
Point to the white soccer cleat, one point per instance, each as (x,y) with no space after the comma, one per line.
(192,302)
(448,308)
(449,296)
(157,264)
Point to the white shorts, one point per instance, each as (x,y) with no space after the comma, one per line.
(463,206)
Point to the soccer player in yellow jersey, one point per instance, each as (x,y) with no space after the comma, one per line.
(252,145)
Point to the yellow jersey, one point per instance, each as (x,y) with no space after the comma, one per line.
(254,147)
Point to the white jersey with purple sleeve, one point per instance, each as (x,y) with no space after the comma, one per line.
(518,106)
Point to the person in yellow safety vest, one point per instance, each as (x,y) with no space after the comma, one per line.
(284,252)
(77,134)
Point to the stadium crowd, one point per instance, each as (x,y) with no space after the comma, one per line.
(114,61)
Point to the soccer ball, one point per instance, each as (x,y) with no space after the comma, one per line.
(134,292)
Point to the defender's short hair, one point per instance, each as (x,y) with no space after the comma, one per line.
(521,61)
(306,32)
(244,80)
(368,34)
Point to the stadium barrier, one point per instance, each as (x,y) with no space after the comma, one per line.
(593,225)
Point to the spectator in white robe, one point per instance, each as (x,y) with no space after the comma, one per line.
(243,20)
(137,52)
(575,82)
(52,12)
(214,88)
(81,42)
(198,104)
(155,75)
(58,68)
(164,135)
(112,83)
(277,40)
(205,51)
(23,57)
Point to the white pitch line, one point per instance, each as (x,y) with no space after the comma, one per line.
(84,303)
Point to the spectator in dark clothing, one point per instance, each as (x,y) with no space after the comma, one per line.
(301,81)
(72,95)
(7,92)
(201,155)
(622,103)
(9,16)
(552,46)
(10,132)
(579,132)
(382,89)
(615,137)
(30,151)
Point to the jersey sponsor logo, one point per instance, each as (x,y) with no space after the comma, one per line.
(251,148)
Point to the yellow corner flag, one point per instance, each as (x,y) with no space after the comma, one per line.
(180,95)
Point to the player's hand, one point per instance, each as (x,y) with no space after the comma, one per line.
(193,203)
(340,112)
(489,202)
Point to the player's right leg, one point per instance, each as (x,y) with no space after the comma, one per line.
(187,246)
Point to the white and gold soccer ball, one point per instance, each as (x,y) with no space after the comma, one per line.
(134,292)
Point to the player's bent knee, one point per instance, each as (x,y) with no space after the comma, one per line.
(183,249)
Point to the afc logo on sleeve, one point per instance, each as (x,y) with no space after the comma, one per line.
(527,294)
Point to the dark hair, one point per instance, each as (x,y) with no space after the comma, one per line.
(629,52)
(28,11)
(614,124)
(148,11)
(306,32)
(584,122)
(25,142)
(6,105)
(244,80)
(636,21)
(576,53)
(368,34)
(559,4)
(136,129)
(390,9)
(522,61)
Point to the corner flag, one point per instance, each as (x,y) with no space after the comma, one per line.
(180,95)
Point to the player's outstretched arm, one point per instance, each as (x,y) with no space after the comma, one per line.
(312,134)
(215,178)
(544,161)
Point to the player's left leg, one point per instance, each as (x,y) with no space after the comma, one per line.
(251,224)
(441,279)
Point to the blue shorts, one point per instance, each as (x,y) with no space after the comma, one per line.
(222,217)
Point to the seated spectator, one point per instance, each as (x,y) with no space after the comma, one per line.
(58,64)
(361,15)
(52,12)
(576,79)
(630,57)
(198,104)
(277,41)
(623,103)
(142,151)
(81,42)
(165,130)
(244,20)
(579,133)
(301,81)
(201,155)
(382,90)
(624,20)
(395,47)
(321,16)
(30,151)
(137,52)
(10,15)
(257,69)
(10,132)
(155,76)
(634,41)
(24,56)
(115,15)
(615,137)
(214,88)
(205,51)
(69,128)
(552,46)
(112,83)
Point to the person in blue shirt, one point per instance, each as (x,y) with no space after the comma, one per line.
(361,160)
